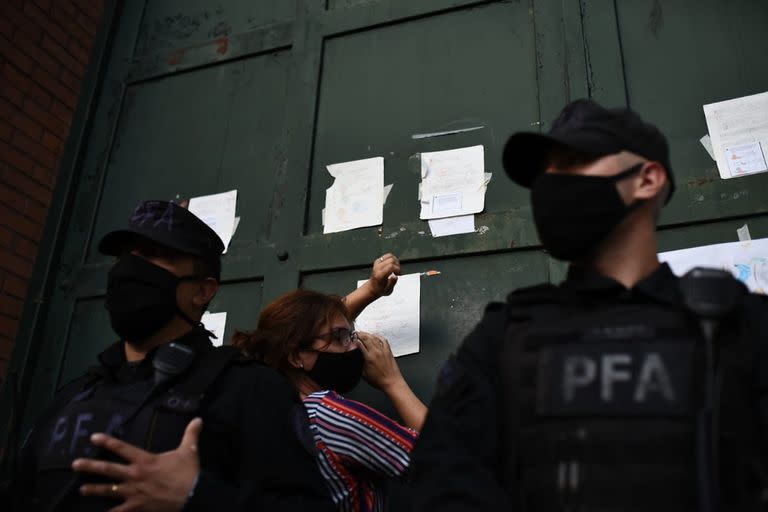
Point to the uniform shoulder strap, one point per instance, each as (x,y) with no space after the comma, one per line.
(208,367)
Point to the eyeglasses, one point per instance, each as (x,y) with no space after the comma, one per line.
(341,335)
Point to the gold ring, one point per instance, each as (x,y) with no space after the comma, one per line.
(114,488)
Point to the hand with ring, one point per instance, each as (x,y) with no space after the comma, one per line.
(156,482)
(384,275)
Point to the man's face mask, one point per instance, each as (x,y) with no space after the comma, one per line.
(574,213)
(141,298)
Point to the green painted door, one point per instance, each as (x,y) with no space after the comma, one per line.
(204,96)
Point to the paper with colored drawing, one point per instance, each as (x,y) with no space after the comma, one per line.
(747,261)
(356,198)
(453,183)
(738,130)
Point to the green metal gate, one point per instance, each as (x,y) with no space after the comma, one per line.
(191,97)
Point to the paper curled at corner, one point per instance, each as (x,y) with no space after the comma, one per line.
(748,262)
(356,198)
(453,183)
(706,141)
(739,132)
(396,317)
(216,323)
(218,212)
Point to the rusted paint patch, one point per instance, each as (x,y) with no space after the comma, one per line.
(700,182)
(222,45)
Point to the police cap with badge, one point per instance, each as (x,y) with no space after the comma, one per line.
(141,296)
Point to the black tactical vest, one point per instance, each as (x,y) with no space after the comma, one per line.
(144,414)
(600,402)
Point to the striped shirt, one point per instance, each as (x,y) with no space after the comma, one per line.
(358,447)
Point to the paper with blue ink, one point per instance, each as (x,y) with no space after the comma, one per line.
(218,211)
(747,261)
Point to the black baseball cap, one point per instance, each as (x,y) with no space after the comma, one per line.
(587,127)
(169,225)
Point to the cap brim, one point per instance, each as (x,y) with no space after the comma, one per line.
(525,156)
(114,243)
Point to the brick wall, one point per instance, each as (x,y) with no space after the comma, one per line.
(44,51)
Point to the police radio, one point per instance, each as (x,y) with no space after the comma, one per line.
(170,360)
(711,295)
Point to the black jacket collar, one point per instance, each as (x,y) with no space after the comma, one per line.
(661,285)
(113,358)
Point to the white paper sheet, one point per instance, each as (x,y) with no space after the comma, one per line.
(739,132)
(706,141)
(356,198)
(452,225)
(216,323)
(396,317)
(218,211)
(453,182)
(748,261)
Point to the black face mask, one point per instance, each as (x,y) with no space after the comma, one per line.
(573,213)
(339,371)
(141,298)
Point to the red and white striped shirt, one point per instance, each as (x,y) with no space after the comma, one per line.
(358,447)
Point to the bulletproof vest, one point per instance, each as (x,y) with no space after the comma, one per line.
(140,412)
(599,407)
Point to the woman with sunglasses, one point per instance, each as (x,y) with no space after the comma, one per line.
(309,337)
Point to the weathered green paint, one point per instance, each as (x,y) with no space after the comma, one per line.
(205,96)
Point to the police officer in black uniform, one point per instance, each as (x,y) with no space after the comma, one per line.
(625,387)
(253,451)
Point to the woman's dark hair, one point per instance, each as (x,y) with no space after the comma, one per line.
(288,325)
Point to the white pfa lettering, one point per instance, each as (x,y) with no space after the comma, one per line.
(610,373)
(79,431)
(654,378)
(579,372)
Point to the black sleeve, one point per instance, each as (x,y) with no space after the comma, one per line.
(275,470)
(454,464)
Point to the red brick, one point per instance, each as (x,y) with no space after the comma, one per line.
(31,48)
(71,27)
(77,51)
(8,326)
(44,4)
(26,84)
(15,264)
(12,94)
(36,212)
(71,81)
(27,125)
(15,57)
(21,21)
(6,28)
(67,8)
(25,184)
(44,175)
(10,306)
(62,55)
(87,23)
(51,142)
(16,159)
(13,198)
(48,121)
(6,236)
(23,226)
(6,349)
(51,84)
(61,111)
(15,286)
(45,22)
(5,130)
(25,248)
(34,150)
